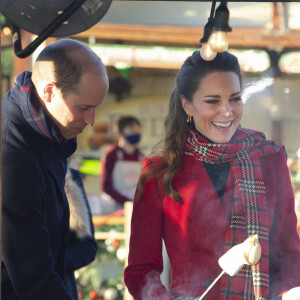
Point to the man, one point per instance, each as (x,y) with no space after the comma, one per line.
(122,164)
(42,115)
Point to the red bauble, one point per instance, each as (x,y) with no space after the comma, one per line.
(93,295)
(115,243)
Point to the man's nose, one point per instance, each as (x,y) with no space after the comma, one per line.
(90,117)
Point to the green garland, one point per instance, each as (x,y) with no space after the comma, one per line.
(92,281)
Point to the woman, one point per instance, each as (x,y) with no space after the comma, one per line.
(212,186)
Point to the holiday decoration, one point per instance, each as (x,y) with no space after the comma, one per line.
(93,295)
(103,278)
(110,294)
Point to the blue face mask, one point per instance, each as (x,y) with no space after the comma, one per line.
(133,138)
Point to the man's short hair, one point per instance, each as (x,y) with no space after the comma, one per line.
(68,66)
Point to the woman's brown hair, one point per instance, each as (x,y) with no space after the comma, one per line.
(188,79)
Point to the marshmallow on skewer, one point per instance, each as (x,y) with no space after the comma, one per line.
(248,252)
(293,294)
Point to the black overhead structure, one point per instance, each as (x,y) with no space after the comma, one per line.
(50,18)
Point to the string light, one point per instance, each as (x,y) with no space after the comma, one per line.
(5,27)
(6,30)
(206,52)
(218,40)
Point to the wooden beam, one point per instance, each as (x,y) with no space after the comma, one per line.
(108,220)
(188,35)
(101,235)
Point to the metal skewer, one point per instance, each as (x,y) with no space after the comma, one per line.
(210,287)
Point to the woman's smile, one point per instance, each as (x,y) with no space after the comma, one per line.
(222,125)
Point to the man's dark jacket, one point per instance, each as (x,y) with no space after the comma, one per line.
(35,207)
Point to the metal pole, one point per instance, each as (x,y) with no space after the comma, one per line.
(211,286)
(22,53)
(0,169)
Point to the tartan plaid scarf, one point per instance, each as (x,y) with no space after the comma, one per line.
(249,213)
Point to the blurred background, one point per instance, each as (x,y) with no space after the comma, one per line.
(143,44)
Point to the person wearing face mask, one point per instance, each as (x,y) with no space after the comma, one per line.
(122,163)
(210,186)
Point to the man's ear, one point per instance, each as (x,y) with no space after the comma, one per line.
(186,105)
(49,91)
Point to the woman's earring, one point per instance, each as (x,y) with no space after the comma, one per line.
(189,119)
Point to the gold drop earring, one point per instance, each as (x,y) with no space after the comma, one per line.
(189,119)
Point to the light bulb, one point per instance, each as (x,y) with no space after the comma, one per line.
(218,41)
(6,30)
(207,53)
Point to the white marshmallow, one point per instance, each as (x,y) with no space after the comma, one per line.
(248,252)
(293,294)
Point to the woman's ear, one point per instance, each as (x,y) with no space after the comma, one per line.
(186,105)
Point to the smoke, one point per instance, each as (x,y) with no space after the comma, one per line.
(152,287)
(256,86)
